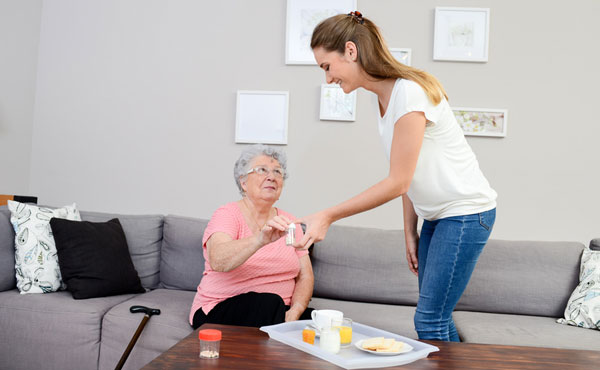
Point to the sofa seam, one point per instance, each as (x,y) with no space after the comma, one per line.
(46,311)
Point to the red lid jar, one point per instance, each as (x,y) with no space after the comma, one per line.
(210,343)
(209,334)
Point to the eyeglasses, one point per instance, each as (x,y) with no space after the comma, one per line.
(264,171)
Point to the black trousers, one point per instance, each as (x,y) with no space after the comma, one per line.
(248,309)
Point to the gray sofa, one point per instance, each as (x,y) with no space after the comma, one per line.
(517,291)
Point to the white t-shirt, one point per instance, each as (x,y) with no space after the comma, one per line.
(447,181)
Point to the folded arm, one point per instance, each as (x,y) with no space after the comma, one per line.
(225,253)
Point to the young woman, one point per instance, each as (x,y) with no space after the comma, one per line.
(431,166)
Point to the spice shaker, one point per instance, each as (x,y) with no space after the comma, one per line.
(210,341)
(290,238)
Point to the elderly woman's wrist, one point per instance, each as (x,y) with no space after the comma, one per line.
(297,307)
(258,242)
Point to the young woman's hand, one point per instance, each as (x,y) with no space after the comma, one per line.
(412,246)
(317,225)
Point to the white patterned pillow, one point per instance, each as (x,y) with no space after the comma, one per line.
(36,262)
(583,308)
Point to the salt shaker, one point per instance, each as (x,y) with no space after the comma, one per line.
(210,341)
(290,238)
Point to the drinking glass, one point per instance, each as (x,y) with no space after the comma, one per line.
(345,327)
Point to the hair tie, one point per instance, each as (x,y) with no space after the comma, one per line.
(357,17)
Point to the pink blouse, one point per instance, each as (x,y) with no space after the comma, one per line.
(272,269)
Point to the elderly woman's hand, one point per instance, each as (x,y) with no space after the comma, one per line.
(293,314)
(274,229)
(317,225)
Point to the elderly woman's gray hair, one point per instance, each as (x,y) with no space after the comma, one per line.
(242,165)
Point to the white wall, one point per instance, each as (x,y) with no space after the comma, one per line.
(19,40)
(135,109)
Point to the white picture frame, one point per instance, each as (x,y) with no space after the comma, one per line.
(337,105)
(403,55)
(482,121)
(301,19)
(262,117)
(461,34)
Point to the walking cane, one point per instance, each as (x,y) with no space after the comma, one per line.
(147,313)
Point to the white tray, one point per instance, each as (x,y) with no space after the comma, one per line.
(290,333)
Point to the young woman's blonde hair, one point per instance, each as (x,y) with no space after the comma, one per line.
(373,53)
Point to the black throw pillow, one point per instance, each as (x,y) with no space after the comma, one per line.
(94,258)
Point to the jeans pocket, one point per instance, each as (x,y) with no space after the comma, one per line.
(487,219)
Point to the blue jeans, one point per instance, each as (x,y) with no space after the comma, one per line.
(448,251)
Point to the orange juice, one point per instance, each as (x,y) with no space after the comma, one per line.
(345,335)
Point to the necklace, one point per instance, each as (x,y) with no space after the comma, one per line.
(252,215)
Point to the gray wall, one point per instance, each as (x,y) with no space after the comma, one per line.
(135,109)
(19,40)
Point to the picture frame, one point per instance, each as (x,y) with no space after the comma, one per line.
(403,55)
(337,105)
(262,117)
(301,19)
(461,34)
(482,121)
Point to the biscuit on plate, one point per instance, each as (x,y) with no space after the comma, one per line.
(372,343)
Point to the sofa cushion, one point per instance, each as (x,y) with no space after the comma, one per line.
(182,259)
(94,258)
(521,330)
(160,333)
(583,308)
(392,318)
(363,264)
(36,263)
(7,251)
(51,331)
(523,277)
(144,238)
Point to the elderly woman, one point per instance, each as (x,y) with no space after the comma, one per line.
(251,277)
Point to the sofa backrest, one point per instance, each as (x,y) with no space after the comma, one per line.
(517,277)
(352,263)
(363,264)
(144,238)
(523,277)
(182,260)
(8,280)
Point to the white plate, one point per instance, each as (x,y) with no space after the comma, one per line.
(405,348)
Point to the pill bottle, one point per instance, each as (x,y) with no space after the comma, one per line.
(290,238)
(210,341)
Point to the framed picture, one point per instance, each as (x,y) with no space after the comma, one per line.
(461,34)
(337,105)
(402,55)
(261,117)
(482,122)
(302,18)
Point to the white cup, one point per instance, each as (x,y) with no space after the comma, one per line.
(322,318)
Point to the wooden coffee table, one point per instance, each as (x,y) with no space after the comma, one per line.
(250,348)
